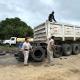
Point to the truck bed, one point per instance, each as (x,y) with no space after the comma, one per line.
(60,30)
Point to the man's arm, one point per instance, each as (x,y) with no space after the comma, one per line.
(52,44)
(30,46)
(53,18)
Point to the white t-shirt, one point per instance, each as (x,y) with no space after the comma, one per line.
(26,45)
(50,44)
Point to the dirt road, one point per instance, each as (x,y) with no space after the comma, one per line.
(65,68)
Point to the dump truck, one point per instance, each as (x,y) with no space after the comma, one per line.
(67,39)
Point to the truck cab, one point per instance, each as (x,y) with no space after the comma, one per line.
(10,41)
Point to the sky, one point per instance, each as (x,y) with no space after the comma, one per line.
(35,12)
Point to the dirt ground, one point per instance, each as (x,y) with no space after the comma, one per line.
(65,68)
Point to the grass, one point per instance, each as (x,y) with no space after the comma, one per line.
(8,48)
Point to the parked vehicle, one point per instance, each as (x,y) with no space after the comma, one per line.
(15,40)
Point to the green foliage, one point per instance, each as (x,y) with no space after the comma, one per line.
(14,27)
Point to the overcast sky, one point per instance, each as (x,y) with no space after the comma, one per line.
(34,12)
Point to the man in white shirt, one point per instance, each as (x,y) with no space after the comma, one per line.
(26,48)
(50,50)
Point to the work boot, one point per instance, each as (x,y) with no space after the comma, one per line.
(26,64)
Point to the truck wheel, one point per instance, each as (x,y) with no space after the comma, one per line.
(57,51)
(19,56)
(76,49)
(38,54)
(67,49)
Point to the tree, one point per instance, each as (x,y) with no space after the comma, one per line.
(14,27)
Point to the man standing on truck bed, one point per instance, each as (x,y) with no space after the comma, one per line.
(26,48)
(50,50)
(51,17)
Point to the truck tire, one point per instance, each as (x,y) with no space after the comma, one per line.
(38,54)
(67,49)
(76,49)
(19,56)
(57,51)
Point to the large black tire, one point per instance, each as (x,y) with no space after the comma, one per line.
(67,49)
(76,49)
(57,51)
(38,54)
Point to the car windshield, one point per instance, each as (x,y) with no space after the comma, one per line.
(12,38)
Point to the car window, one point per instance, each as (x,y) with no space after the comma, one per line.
(12,38)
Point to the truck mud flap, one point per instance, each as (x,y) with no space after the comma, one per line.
(38,54)
(76,49)
(67,49)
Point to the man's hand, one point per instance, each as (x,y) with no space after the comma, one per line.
(54,46)
(31,50)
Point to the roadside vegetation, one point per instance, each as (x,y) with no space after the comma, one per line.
(14,27)
(8,49)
